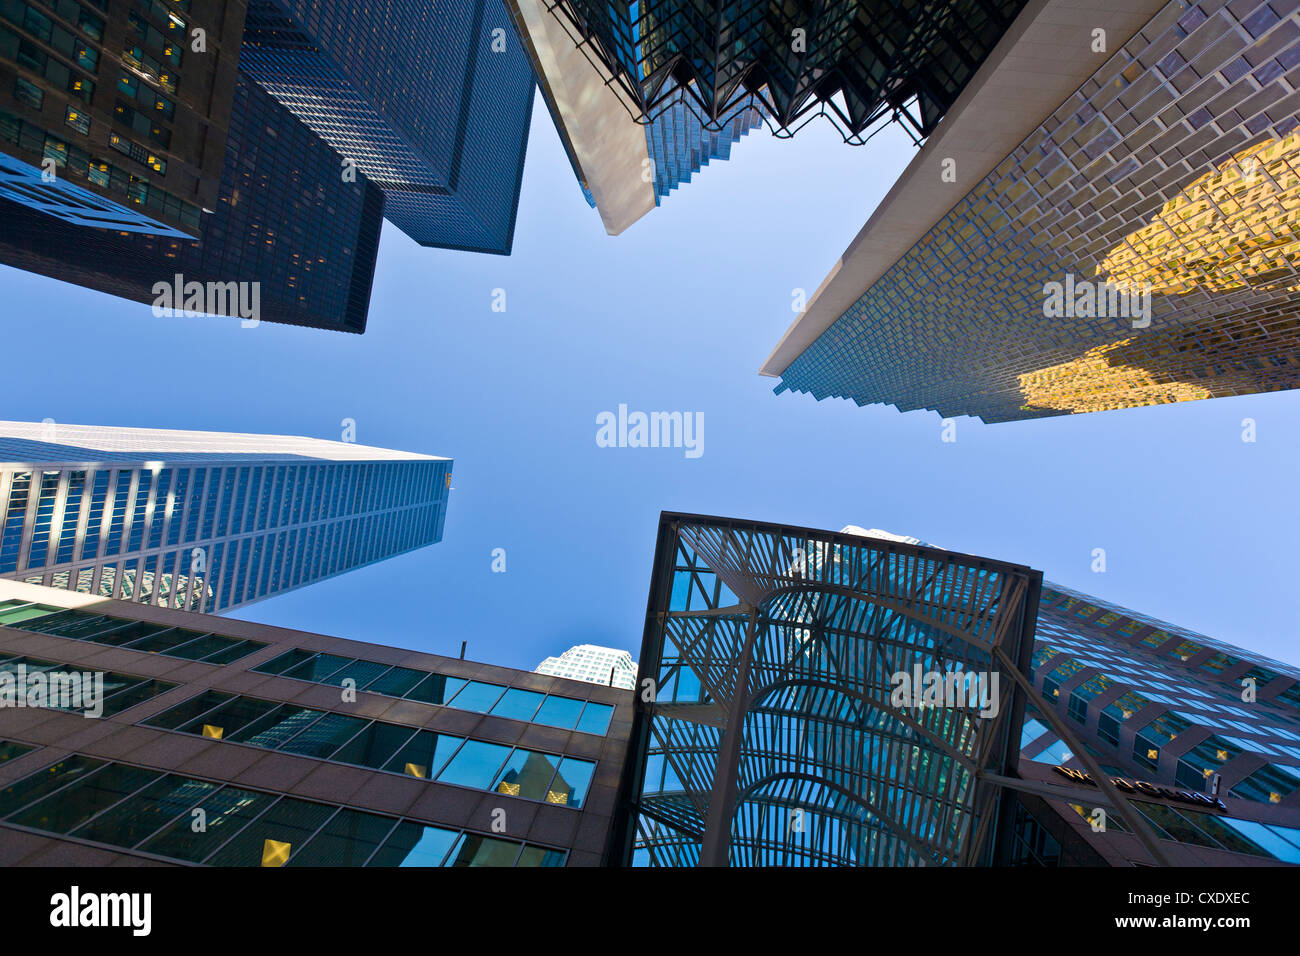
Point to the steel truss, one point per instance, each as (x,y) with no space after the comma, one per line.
(765,733)
(860,63)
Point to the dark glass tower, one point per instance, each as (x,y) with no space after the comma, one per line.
(204,521)
(113,113)
(432,103)
(857,62)
(284,218)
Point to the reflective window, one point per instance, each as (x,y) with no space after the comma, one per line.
(1271,783)
(424,755)
(415,845)
(138,635)
(475,764)
(137,808)
(518,704)
(479,696)
(595,718)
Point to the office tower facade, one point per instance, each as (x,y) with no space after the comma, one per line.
(431,103)
(204,521)
(1205,735)
(285,223)
(609,69)
(772,736)
(1120,232)
(593,664)
(293,749)
(113,113)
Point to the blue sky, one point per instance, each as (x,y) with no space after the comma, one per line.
(676,314)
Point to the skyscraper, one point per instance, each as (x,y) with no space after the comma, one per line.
(285,222)
(431,102)
(1207,735)
(113,113)
(639,90)
(295,749)
(1119,232)
(593,664)
(204,520)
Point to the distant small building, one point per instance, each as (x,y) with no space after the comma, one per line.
(593,664)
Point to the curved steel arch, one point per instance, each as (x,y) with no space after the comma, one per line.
(923,853)
(753,609)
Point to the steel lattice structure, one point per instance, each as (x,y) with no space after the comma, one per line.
(858,62)
(792,636)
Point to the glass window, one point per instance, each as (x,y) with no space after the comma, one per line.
(395,682)
(14,612)
(278,665)
(1266,837)
(147,812)
(413,845)
(10,750)
(436,689)
(518,704)
(224,813)
(28,93)
(363,672)
(475,850)
(375,745)
(347,840)
(1271,783)
(135,693)
(199,646)
(271,838)
(275,728)
(424,755)
(571,781)
(595,718)
(477,696)
(526,774)
(61,812)
(559,712)
(35,786)
(540,856)
(317,667)
(229,717)
(475,764)
(188,710)
(324,736)
(78,119)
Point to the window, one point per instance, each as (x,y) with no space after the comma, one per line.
(373,677)
(137,808)
(28,93)
(1271,783)
(120,632)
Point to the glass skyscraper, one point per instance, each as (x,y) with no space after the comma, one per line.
(431,102)
(109,115)
(1123,236)
(644,94)
(1207,735)
(204,521)
(284,218)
